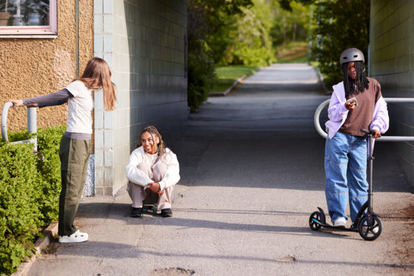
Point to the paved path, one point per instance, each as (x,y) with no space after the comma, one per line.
(252,173)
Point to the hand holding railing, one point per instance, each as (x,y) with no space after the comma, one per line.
(31,124)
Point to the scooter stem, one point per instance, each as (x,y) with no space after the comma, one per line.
(370,177)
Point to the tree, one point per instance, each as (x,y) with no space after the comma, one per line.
(200,60)
(340,25)
(249,42)
(205,20)
(290,26)
(219,16)
(287,4)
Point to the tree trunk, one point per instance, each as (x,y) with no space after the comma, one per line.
(284,30)
(294,32)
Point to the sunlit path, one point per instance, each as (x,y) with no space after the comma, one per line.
(251,174)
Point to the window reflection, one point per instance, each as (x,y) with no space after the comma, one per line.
(24,12)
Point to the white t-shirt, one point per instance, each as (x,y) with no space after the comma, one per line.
(79,108)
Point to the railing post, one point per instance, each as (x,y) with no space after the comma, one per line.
(31,124)
(32,120)
(4,121)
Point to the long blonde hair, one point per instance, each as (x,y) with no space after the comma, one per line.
(96,76)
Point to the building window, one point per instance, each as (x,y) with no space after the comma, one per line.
(28,17)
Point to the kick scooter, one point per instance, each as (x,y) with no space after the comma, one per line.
(367,223)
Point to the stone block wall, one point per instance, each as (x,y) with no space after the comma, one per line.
(391,62)
(144,44)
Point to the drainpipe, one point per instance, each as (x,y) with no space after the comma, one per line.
(77,37)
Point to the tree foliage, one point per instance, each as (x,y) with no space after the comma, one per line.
(248,37)
(339,25)
(200,59)
(206,19)
(221,17)
(238,32)
(290,26)
(287,4)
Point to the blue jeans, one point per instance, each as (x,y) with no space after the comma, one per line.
(345,169)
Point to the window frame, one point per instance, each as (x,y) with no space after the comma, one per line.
(24,31)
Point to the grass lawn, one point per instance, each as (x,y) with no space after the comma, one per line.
(227,75)
(293,53)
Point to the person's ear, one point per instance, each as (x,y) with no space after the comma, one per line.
(157,140)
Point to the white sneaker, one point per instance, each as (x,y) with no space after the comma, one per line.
(340,222)
(75,237)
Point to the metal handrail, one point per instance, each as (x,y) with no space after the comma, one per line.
(382,138)
(31,125)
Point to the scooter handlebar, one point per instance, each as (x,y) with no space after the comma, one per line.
(371,131)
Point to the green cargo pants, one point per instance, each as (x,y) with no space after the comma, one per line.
(74,157)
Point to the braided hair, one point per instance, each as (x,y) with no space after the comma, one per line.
(357,86)
(154,132)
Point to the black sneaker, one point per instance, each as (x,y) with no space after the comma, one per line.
(136,212)
(166,213)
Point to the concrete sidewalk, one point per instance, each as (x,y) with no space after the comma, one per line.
(252,173)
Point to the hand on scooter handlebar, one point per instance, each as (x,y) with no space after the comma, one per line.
(373,132)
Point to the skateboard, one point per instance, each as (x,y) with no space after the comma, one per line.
(150,208)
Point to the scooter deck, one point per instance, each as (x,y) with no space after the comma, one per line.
(336,228)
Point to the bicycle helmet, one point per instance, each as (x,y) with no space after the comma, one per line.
(351,54)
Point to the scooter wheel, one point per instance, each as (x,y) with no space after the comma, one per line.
(370,232)
(312,223)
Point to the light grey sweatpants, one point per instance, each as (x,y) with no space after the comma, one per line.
(140,195)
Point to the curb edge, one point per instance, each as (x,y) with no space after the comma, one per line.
(225,93)
(327,92)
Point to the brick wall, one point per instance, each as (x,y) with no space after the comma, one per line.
(392,64)
(144,44)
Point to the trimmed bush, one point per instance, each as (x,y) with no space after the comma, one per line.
(29,194)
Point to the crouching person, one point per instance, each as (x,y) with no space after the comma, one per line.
(152,170)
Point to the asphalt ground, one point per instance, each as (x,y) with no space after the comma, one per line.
(251,175)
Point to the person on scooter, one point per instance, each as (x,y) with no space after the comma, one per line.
(152,171)
(356,103)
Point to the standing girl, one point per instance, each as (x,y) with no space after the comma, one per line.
(152,170)
(356,103)
(75,146)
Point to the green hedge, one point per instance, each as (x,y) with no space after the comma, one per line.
(29,194)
